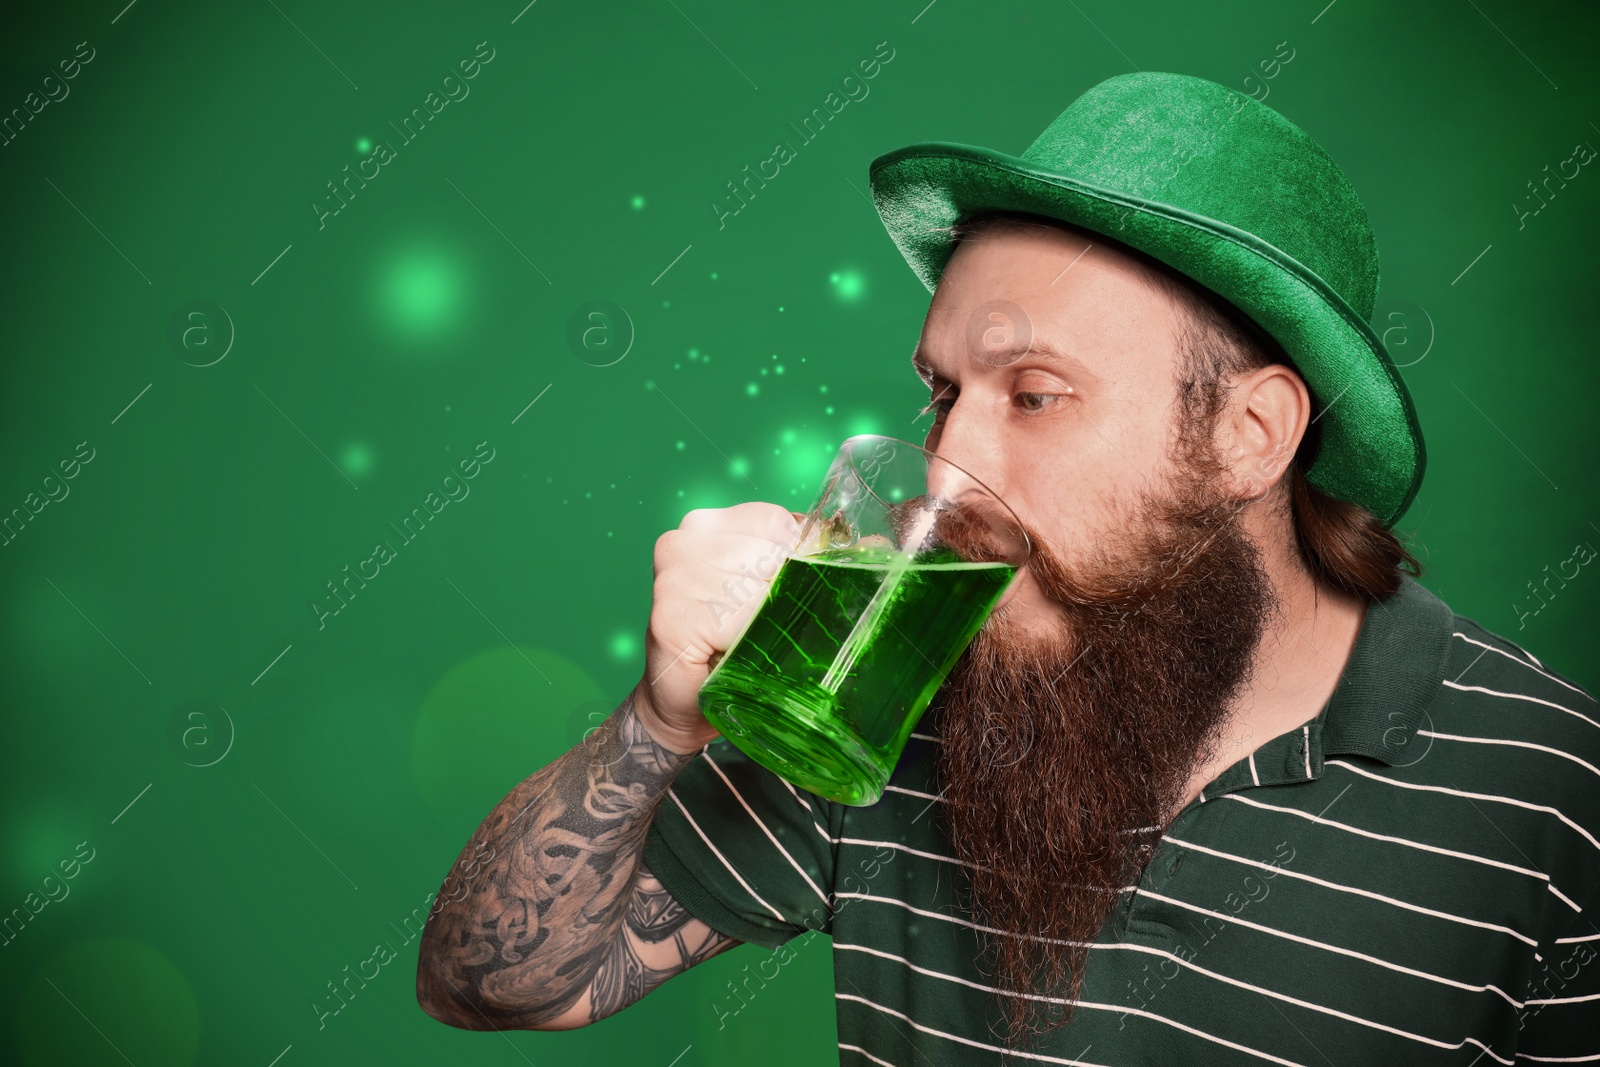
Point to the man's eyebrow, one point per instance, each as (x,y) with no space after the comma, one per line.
(1009,354)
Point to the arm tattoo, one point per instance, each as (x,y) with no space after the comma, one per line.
(535,909)
(653,917)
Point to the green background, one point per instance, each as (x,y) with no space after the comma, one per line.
(159,616)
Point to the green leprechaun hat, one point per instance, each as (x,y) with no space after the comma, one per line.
(1222,188)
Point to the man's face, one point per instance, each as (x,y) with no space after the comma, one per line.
(1066,433)
(1071,725)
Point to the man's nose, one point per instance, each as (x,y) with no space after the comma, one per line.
(974,449)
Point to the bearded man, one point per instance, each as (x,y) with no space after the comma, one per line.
(1217,782)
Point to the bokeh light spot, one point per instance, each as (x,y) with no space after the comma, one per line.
(806,462)
(357,459)
(848,285)
(421,290)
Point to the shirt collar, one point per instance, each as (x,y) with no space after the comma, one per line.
(1393,673)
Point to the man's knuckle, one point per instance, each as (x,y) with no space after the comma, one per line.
(700,518)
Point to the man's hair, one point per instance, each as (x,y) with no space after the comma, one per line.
(1341,544)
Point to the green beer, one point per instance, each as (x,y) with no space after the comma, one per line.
(830,676)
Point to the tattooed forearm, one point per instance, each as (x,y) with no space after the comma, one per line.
(542,902)
(661,940)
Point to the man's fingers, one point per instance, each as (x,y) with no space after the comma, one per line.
(754,517)
(729,553)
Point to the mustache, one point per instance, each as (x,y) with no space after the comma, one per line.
(978,529)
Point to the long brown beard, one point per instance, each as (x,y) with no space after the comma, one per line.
(1063,758)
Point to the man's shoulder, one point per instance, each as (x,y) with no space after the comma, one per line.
(1500,703)
(1521,742)
(1485,659)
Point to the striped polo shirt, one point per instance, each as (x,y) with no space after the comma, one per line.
(1409,878)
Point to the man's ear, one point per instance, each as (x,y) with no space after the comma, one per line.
(1267,416)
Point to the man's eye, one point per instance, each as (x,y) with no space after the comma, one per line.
(1036,401)
(938,405)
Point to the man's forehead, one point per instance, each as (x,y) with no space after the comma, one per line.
(1044,297)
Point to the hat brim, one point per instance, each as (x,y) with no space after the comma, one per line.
(1371,452)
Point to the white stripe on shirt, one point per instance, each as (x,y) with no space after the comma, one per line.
(718,853)
(775,842)
(1513,744)
(1568,901)
(1536,666)
(846,1046)
(1494,797)
(1385,837)
(1127,946)
(957,919)
(1263,991)
(905,848)
(1301,876)
(911,792)
(1567,1000)
(1520,696)
(966,1040)
(820,829)
(941,857)
(1352,953)
(1081,1004)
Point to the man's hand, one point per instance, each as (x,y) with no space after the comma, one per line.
(711,574)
